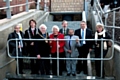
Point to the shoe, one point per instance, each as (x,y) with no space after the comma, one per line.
(74,74)
(68,74)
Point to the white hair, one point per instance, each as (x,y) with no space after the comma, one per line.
(55,26)
(43,25)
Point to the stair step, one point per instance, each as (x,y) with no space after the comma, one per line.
(51,77)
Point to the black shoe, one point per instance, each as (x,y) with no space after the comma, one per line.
(74,74)
(68,74)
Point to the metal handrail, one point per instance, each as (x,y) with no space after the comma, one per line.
(21,4)
(97,2)
(17,5)
(63,58)
(58,52)
(8,7)
(3,8)
(112,10)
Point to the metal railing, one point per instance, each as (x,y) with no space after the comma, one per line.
(8,7)
(100,14)
(57,58)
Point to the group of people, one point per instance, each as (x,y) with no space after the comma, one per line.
(70,48)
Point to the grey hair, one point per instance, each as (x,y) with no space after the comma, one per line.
(64,21)
(16,25)
(43,25)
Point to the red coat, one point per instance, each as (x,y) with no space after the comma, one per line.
(53,44)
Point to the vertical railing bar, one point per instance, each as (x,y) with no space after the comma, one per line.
(113,29)
(38,5)
(45,5)
(17,56)
(57,57)
(8,10)
(27,9)
(102,45)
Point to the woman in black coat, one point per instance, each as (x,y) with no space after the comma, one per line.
(100,34)
(42,49)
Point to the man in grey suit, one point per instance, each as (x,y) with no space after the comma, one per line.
(71,52)
(64,30)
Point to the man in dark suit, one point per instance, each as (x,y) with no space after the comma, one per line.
(12,45)
(30,34)
(64,30)
(86,46)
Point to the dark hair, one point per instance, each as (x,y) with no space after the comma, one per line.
(33,21)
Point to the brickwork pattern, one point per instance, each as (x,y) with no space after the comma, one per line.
(67,5)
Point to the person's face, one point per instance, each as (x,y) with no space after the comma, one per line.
(55,31)
(99,29)
(17,29)
(65,24)
(83,25)
(42,29)
(32,24)
(71,32)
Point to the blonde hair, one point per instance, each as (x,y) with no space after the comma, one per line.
(100,25)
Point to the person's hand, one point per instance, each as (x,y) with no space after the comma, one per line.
(109,43)
(50,41)
(19,46)
(69,51)
(90,50)
(58,46)
(38,56)
(77,40)
(32,44)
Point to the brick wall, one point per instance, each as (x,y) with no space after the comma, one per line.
(67,5)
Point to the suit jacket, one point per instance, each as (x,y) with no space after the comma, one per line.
(29,35)
(87,36)
(61,31)
(42,47)
(74,46)
(12,44)
(54,43)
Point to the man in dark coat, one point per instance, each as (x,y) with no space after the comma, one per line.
(86,46)
(64,30)
(21,46)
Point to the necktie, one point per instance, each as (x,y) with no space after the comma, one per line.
(82,37)
(70,43)
(64,32)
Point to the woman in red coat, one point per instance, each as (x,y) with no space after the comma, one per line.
(54,45)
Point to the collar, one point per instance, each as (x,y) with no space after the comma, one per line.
(65,28)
